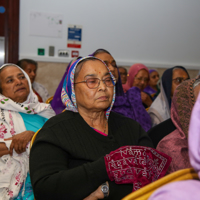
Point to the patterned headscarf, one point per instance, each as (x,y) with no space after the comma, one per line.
(68,95)
(57,103)
(182,104)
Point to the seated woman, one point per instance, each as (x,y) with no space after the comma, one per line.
(20,117)
(30,67)
(188,189)
(130,103)
(152,87)
(138,76)
(175,144)
(160,108)
(78,154)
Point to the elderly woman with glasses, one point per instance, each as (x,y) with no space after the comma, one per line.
(160,108)
(88,152)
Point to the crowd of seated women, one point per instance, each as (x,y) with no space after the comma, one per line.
(106,133)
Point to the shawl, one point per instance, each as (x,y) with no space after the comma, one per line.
(68,93)
(13,169)
(134,69)
(191,187)
(159,110)
(176,143)
(149,90)
(130,105)
(41,90)
(137,165)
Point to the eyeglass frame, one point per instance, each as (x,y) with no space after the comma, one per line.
(103,80)
(182,79)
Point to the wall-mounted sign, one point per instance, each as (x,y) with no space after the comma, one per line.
(74,37)
(75,54)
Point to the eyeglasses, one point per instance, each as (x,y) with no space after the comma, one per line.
(179,80)
(93,83)
(140,79)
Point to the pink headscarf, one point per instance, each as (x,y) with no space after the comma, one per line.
(133,71)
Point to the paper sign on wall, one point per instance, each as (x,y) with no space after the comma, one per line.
(74,38)
(46,24)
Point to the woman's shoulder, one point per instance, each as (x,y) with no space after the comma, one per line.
(172,142)
(64,117)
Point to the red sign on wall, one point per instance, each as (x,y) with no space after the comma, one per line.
(75,54)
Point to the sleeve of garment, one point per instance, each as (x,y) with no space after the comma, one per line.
(52,179)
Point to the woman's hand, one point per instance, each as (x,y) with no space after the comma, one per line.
(146,99)
(3,149)
(20,141)
(97,194)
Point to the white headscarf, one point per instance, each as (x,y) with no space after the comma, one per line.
(159,110)
(13,169)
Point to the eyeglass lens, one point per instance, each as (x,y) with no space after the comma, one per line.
(94,82)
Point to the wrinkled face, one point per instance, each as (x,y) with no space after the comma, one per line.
(110,62)
(14,84)
(141,79)
(123,75)
(97,99)
(196,91)
(31,69)
(154,77)
(178,77)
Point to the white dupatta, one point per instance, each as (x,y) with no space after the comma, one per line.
(159,110)
(14,169)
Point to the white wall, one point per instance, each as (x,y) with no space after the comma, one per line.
(158,33)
